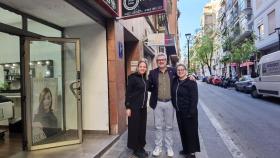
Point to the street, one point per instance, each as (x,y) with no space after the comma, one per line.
(231,124)
(252,124)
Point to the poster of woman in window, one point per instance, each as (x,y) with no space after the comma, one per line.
(45,123)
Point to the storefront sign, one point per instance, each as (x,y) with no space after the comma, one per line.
(169,40)
(137,8)
(110,5)
(156,39)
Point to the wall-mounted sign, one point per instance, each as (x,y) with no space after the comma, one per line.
(169,40)
(137,8)
(156,39)
(120,50)
(110,5)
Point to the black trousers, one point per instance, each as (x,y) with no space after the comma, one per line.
(137,129)
(188,128)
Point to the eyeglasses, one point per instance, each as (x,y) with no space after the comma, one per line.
(181,70)
(161,59)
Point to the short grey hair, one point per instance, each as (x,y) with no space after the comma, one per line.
(161,54)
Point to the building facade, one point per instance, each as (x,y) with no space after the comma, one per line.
(266,18)
(79,53)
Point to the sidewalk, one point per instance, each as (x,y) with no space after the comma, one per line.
(119,149)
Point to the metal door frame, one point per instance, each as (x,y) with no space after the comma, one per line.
(27,91)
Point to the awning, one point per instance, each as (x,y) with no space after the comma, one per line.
(233,64)
(148,50)
(247,63)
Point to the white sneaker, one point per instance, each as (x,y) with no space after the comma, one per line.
(157,151)
(170,152)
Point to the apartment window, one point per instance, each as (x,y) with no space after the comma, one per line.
(261,31)
(271,22)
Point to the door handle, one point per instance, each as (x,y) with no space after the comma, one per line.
(75,88)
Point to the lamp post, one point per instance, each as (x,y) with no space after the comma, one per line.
(188,37)
(278,31)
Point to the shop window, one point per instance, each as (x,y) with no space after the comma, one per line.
(39,28)
(271,22)
(10,18)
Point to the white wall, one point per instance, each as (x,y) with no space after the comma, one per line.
(261,17)
(93,74)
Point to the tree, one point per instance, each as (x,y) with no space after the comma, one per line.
(204,48)
(241,53)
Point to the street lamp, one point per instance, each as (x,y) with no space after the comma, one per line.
(278,31)
(188,37)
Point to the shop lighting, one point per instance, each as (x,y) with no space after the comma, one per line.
(7,65)
(47,62)
(39,63)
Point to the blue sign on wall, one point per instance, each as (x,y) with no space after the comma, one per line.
(120,50)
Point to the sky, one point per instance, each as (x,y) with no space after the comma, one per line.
(189,21)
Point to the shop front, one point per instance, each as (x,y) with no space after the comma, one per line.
(53,62)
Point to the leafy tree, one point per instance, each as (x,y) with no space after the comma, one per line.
(204,48)
(241,53)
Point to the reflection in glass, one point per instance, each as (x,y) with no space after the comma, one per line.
(10,18)
(41,29)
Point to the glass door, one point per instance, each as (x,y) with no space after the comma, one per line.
(53,92)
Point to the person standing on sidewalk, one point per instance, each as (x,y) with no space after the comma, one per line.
(160,82)
(185,99)
(136,109)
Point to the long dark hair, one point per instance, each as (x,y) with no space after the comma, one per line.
(44,92)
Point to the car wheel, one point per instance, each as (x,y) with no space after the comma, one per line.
(255,94)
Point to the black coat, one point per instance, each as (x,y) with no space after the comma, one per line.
(153,84)
(136,92)
(185,99)
(185,96)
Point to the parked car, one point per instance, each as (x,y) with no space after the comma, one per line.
(216,80)
(244,84)
(204,79)
(209,79)
(267,78)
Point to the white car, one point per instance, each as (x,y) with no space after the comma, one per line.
(267,78)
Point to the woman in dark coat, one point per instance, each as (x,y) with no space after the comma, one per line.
(136,110)
(185,99)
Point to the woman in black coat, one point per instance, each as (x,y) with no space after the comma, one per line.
(185,99)
(136,109)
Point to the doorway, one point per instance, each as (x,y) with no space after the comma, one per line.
(53,94)
(40,93)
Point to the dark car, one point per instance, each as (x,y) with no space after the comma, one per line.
(204,79)
(244,84)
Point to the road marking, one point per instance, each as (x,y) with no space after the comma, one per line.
(203,153)
(232,147)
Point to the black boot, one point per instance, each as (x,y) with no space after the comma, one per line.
(139,153)
(144,152)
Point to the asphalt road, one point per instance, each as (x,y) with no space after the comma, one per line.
(253,125)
